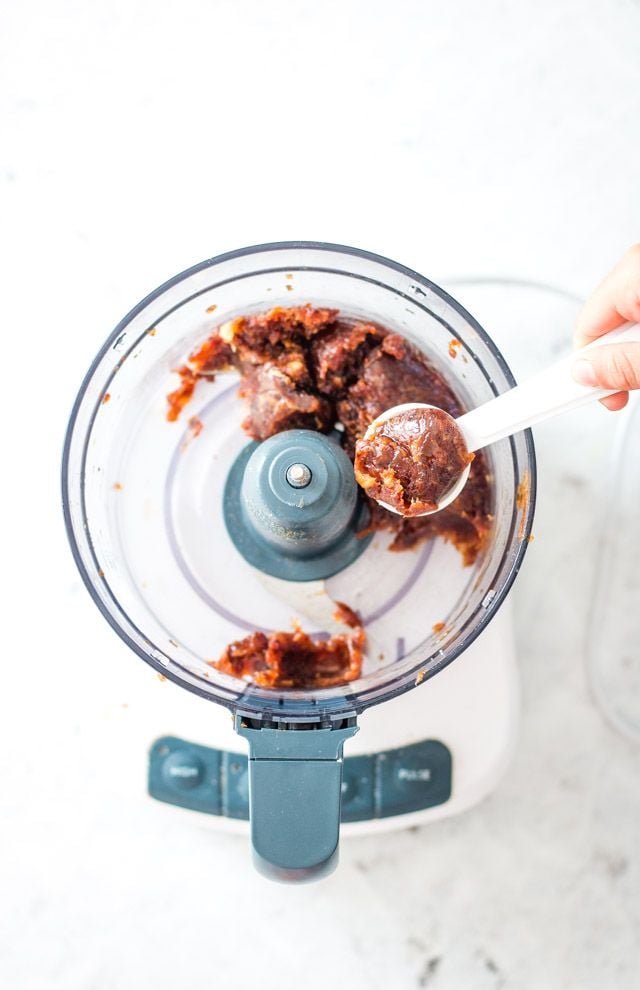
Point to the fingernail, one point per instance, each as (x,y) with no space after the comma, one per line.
(584,372)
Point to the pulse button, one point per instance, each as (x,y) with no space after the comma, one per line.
(413,777)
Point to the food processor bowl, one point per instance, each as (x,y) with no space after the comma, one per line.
(143,501)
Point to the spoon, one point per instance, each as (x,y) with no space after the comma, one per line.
(542,396)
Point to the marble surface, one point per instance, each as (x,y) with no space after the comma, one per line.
(489,140)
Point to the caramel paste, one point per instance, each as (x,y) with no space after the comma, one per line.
(294,659)
(306,367)
(411,460)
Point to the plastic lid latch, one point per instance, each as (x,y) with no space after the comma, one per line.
(295,780)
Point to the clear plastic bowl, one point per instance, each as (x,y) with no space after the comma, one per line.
(613,651)
(142,497)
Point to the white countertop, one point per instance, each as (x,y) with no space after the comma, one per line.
(462,139)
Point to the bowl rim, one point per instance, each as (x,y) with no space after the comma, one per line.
(351,703)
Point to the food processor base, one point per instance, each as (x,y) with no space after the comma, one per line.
(422,756)
(144,509)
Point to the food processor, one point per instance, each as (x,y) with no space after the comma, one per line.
(161,527)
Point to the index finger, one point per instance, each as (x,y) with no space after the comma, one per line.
(616,300)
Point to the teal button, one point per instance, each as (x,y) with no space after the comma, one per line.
(185,774)
(412,778)
(235,793)
(183,770)
(357,788)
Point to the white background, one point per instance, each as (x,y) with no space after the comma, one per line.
(459,138)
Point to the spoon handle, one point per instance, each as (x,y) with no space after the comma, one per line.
(544,395)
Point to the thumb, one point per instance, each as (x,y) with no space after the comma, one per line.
(614,366)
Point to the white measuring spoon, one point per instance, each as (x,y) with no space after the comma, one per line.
(542,396)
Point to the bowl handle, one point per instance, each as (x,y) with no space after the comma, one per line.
(295,780)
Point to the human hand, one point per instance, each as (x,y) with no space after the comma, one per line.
(615,301)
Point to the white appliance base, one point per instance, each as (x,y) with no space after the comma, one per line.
(472,707)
